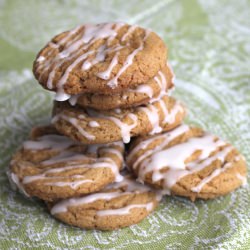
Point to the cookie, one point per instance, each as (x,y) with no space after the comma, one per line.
(189,162)
(91,127)
(116,206)
(103,58)
(161,84)
(51,166)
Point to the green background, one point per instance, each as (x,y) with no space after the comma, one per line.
(209,49)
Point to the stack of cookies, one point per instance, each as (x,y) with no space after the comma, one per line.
(113,83)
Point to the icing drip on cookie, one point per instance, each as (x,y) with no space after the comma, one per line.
(94,124)
(15,183)
(106,74)
(172,72)
(73,99)
(242,178)
(153,116)
(144,89)
(124,127)
(129,31)
(169,117)
(125,210)
(128,185)
(58,142)
(75,123)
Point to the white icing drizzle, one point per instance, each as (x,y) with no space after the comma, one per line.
(94,124)
(167,137)
(219,156)
(129,60)
(113,151)
(124,127)
(174,157)
(40,58)
(75,123)
(153,116)
(71,184)
(172,72)
(129,185)
(129,31)
(144,89)
(169,117)
(15,183)
(161,82)
(64,78)
(125,210)
(117,111)
(242,178)
(62,206)
(54,141)
(106,74)
(102,162)
(73,99)
(64,156)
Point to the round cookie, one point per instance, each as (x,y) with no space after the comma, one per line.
(158,85)
(106,58)
(91,127)
(51,166)
(116,206)
(189,162)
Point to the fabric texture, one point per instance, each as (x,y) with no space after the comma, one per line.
(209,49)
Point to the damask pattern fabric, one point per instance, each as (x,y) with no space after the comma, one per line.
(209,49)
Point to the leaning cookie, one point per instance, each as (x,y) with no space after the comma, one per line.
(116,206)
(51,166)
(91,127)
(160,84)
(189,162)
(106,58)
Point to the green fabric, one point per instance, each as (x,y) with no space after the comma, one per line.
(209,49)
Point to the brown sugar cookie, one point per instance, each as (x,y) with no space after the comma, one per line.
(104,58)
(160,84)
(116,206)
(189,162)
(90,126)
(51,166)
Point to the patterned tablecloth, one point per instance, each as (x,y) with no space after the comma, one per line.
(209,48)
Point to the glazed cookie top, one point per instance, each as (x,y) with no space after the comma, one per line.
(90,126)
(51,166)
(105,58)
(159,85)
(187,159)
(117,205)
